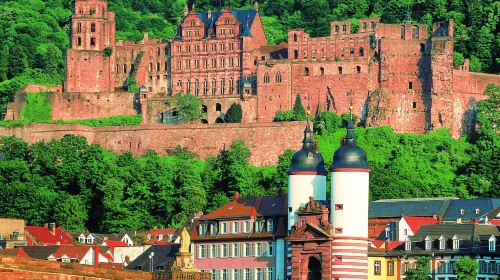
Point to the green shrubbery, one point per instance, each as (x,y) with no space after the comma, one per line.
(109,121)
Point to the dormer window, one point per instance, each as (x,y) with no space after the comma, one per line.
(270,226)
(223,228)
(442,243)
(408,244)
(236,227)
(428,244)
(160,237)
(456,243)
(462,211)
(492,243)
(246,227)
(81,239)
(477,211)
(202,229)
(213,229)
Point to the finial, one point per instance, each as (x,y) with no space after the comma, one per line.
(350,111)
(256,6)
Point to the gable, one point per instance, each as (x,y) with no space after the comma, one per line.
(308,232)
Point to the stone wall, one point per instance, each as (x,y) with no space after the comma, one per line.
(76,106)
(266,141)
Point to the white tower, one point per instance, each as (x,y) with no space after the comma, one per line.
(349,208)
(306,177)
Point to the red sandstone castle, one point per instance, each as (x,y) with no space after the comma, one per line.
(395,74)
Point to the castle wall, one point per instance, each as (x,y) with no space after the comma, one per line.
(76,106)
(265,141)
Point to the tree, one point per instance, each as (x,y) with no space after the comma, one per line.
(466,268)
(70,212)
(298,109)
(234,114)
(458,59)
(187,106)
(18,61)
(275,32)
(421,272)
(327,122)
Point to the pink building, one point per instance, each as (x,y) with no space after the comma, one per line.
(243,239)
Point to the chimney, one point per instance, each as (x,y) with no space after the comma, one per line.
(52,228)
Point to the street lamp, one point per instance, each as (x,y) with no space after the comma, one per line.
(151,255)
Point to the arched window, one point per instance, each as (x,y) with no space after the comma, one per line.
(266,78)
(214,86)
(205,87)
(340,70)
(278,77)
(295,37)
(415,32)
(322,71)
(361,52)
(196,87)
(306,71)
(295,54)
(358,69)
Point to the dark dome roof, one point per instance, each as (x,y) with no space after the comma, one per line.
(349,155)
(307,159)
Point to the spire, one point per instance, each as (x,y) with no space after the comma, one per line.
(186,10)
(350,128)
(307,134)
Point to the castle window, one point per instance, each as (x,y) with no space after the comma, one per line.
(231,86)
(179,85)
(351,51)
(336,29)
(196,87)
(188,64)
(214,86)
(410,85)
(150,67)
(222,86)
(278,77)
(422,47)
(158,51)
(231,62)
(158,67)
(358,69)
(179,64)
(266,78)
(117,68)
(214,63)
(79,27)
(339,206)
(415,32)
(92,27)
(340,70)
(414,105)
(231,46)
(226,21)
(205,87)
(124,68)
(365,25)
(179,49)
(402,32)
(344,28)
(188,86)
(295,37)
(78,41)
(92,41)
(92,11)
(342,52)
(322,71)
(373,25)
(306,71)
(218,107)
(295,54)
(222,63)
(361,52)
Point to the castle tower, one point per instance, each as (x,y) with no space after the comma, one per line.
(349,209)
(306,177)
(90,59)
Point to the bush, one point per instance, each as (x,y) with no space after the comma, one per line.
(111,121)
(458,59)
(234,114)
(284,116)
(327,122)
(37,108)
(187,106)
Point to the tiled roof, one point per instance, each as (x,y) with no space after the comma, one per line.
(163,231)
(37,252)
(44,236)
(415,222)
(484,205)
(113,243)
(391,208)
(72,251)
(164,255)
(244,17)
(246,207)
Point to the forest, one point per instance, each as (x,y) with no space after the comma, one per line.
(34,33)
(82,186)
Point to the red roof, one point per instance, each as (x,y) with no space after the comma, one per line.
(415,222)
(162,231)
(112,244)
(495,222)
(43,236)
(72,251)
(385,245)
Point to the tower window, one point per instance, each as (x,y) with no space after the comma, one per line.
(295,37)
(266,78)
(358,69)
(306,71)
(295,54)
(322,71)
(410,85)
(79,27)
(422,47)
(340,70)
(361,52)
(278,78)
(78,41)
(402,32)
(414,105)
(92,27)
(92,41)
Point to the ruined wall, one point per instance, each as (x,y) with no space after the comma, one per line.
(266,141)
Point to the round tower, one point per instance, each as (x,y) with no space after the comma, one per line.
(349,208)
(306,177)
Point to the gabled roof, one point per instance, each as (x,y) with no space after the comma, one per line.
(37,252)
(415,222)
(422,207)
(113,243)
(163,231)
(244,17)
(484,205)
(246,207)
(315,230)
(164,255)
(44,236)
(71,251)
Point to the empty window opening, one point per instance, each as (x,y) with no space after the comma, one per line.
(204,108)
(351,51)
(295,54)
(402,32)
(306,71)
(361,52)
(414,105)
(322,71)
(422,47)
(340,70)
(218,107)
(92,27)
(79,41)
(410,85)
(92,41)
(358,69)
(295,37)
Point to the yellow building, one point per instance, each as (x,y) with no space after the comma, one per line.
(381,267)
